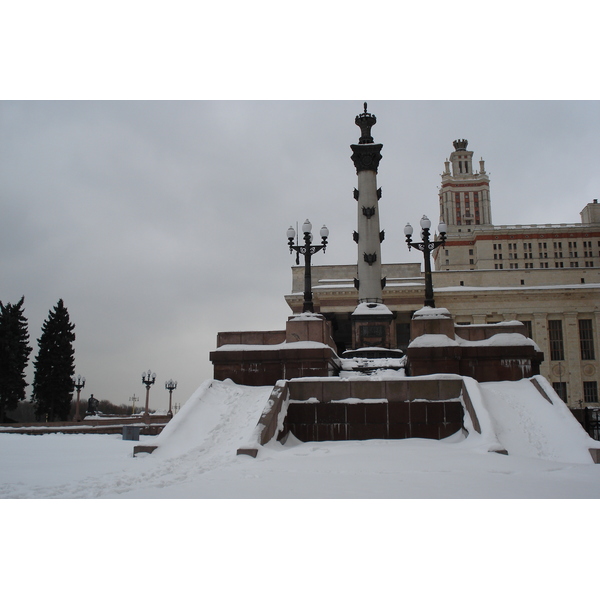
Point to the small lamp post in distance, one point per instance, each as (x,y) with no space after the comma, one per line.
(308,250)
(148,380)
(170,385)
(426,247)
(79,383)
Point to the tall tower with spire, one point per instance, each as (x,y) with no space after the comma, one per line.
(464,193)
(366,156)
(465,207)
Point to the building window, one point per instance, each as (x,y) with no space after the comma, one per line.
(590,391)
(555,336)
(560,387)
(470,251)
(586,339)
(528,327)
(574,264)
(558,265)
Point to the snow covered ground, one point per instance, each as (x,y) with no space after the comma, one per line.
(301,548)
(548,456)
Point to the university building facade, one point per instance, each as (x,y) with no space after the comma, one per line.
(546,276)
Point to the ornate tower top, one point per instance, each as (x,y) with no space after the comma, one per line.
(365,121)
(460,144)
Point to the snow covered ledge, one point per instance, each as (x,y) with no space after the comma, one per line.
(432,321)
(494,352)
(271,420)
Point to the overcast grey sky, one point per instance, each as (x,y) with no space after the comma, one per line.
(161,223)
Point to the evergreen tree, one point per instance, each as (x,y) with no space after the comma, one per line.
(14,356)
(54,366)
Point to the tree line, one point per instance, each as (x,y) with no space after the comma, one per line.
(54,365)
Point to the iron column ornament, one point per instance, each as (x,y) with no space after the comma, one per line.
(426,247)
(366,155)
(308,250)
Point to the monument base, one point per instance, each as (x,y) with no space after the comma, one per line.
(495,352)
(373,327)
(304,349)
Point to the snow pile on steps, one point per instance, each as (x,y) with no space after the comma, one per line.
(513,416)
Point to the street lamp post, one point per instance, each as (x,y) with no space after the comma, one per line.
(148,380)
(170,385)
(426,247)
(79,383)
(308,250)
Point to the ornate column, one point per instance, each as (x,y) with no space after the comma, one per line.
(366,156)
(373,324)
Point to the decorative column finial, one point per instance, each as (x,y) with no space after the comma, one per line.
(365,121)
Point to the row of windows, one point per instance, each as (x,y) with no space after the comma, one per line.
(586,339)
(466,196)
(544,246)
(590,391)
(542,265)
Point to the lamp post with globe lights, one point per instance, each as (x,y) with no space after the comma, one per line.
(308,250)
(170,385)
(148,380)
(79,383)
(426,247)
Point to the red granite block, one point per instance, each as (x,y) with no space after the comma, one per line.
(302,412)
(399,412)
(418,412)
(423,430)
(453,412)
(435,412)
(376,413)
(355,414)
(331,412)
(398,431)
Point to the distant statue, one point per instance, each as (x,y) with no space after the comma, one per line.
(92,407)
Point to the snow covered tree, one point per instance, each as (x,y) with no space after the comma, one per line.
(14,356)
(54,366)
